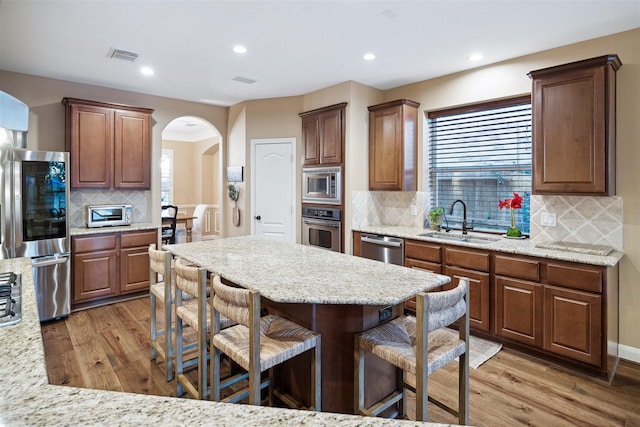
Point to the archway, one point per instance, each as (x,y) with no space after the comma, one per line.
(192,172)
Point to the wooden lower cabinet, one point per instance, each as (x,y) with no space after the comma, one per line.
(479,299)
(559,309)
(134,260)
(106,266)
(519,310)
(563,310)
(573,324)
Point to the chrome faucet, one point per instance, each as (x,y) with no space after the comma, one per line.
(465,227)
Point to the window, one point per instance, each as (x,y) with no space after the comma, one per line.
(480,154)
(166,177)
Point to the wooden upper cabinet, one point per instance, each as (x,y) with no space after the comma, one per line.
(574,127)
(132,149)
(393,146)
(323,134)
(109,145)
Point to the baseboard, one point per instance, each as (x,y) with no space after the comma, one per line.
(629,353)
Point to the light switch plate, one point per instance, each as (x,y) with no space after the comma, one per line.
(548,219)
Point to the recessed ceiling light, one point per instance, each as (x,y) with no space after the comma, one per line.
(475,57)
(369,56)
(239,49)
(147,71)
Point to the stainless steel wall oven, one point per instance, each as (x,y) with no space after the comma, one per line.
(322,227)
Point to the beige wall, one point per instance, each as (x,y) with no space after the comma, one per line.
(279,118)
(196,171)
(510,79)
(46,118)
(259,119)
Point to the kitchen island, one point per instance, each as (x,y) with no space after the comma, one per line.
(335,294)
(27,398)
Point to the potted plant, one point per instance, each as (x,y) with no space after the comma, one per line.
(435,218)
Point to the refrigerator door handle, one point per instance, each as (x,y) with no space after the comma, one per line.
(49,261)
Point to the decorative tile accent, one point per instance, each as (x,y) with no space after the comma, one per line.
(80,199)
(582,219)
(388,208)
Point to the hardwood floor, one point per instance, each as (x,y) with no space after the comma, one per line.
(107,348)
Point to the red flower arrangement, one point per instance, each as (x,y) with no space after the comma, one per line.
(512,203)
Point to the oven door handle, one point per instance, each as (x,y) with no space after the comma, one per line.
(332,224)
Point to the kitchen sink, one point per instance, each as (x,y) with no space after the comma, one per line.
(459,238)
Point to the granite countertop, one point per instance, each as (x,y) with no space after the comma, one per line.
(27,399)
(80,231)
(292,273)
(513,246)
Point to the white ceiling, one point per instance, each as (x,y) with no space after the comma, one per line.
(294,47)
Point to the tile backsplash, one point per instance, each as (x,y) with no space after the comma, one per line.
(79,200)
(583,219)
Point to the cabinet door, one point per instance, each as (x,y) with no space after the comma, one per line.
(134,269)
(331,137)
(94,275)
(573,324)
(385,149)
(311,140)
(519,310)
(132,164)
(570,128)
(90,143)
(479,300)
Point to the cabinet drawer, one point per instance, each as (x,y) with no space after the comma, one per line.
(423,265)
(422,251)
(475,260)
(135,239)
(93,243)
(580,277)
(517,267)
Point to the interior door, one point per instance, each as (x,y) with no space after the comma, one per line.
(273,188)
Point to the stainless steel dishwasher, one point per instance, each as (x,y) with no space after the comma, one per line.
(387,249)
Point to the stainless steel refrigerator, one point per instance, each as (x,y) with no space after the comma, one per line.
(33,209)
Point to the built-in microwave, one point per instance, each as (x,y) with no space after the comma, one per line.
(108,215)
(322,185)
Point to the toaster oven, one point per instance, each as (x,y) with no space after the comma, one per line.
(108,215)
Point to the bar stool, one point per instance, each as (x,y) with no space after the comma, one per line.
(414,345)
(191,281)
(257,344)
(161,291)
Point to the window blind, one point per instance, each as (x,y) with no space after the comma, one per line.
(480,154)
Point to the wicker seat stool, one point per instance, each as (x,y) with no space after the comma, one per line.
(414,345)
(257,344)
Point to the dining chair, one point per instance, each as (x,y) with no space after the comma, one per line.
(420,345)
(169,214)
(161,291)
(257,344)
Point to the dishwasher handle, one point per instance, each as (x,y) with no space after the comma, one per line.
(395,243)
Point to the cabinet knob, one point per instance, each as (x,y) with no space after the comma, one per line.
(258,217)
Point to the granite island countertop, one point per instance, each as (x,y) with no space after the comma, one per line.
(27,399)
(499,244)
(292,273)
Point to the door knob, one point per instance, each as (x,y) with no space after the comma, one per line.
(258,217)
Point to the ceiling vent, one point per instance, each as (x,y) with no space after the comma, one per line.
(122,54)
(244,80)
